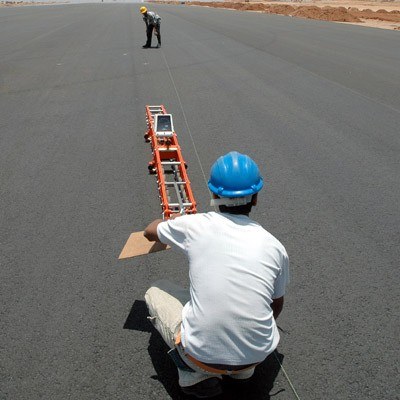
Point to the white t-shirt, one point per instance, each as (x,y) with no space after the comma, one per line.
(236,269)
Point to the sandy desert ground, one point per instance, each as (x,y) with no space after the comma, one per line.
(378,14)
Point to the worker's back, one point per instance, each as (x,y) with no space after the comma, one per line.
(236,269)
(152,18)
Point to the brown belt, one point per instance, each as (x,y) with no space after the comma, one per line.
(214,368)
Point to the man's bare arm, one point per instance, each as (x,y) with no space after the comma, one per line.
(277,306)
(150,233)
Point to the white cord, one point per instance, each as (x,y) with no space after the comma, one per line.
(185,119)
(205,180)
(287,377)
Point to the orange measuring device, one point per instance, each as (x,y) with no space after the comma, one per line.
(168,165)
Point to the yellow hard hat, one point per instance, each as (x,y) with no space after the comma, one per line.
(143,10)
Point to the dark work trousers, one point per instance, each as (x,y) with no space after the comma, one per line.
(149,32)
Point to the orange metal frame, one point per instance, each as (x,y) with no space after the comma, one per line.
(167,150)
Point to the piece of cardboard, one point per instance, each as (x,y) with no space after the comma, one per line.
(138,245)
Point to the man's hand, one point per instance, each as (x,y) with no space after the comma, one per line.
(150,233)
(277,306)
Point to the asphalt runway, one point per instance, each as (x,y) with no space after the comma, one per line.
(316,104)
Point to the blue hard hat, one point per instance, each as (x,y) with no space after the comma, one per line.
(235,175)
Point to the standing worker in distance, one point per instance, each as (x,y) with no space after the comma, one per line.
(153,23)
(225,324)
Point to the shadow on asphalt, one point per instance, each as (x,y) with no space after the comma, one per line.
(258,388)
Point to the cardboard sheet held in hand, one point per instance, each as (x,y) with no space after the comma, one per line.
(138,245)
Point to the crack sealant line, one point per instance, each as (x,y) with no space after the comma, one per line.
(287,377)
(185,119)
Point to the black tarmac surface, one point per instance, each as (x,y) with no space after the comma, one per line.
(316,104)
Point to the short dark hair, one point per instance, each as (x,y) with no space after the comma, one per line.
(243,209)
